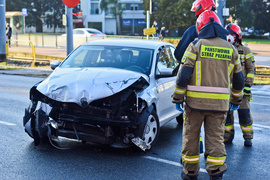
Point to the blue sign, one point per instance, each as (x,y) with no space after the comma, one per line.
(141,22)
(24,12)
(126,22)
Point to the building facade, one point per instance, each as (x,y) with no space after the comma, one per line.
(132,20)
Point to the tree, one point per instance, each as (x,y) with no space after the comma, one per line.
(240,11)
(261,10)
(16,5)
(173,14)
(116,10)
(54,15)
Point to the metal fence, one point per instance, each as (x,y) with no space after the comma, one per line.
(58,41)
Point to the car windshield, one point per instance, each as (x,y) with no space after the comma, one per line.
(130,58)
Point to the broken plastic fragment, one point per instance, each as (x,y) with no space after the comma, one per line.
(140,143)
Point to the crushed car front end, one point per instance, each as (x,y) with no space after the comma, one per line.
(113,120)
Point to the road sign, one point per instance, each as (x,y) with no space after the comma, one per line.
(71,3)
(149,31)
(64,20)
(24,12)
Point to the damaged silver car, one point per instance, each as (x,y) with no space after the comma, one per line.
(114,91)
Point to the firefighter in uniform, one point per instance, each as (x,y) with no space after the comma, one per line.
(248,68)
(204,81)
(190,34)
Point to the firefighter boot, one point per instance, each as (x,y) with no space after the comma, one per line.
(248,142)
(188,177)
(217,176)
(228,136)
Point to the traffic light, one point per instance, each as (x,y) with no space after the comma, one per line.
(154,6)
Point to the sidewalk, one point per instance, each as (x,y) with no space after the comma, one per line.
(42,51)
(34,72)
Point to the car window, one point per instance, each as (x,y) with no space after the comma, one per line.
(80,32)
(75,31)
(165,59)
(129,58)
(172,52)
(94,32)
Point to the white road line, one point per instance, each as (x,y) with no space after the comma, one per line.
(6,123)
(258,125)
(260,104)
(168,162)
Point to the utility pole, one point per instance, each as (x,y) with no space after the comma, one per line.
(69,29)
(3,54)
(221,4)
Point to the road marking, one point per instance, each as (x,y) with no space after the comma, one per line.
(260,104)
(169,162)
(6,123)
(258,125)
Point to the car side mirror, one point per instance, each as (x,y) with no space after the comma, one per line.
(54,64)
(166,72)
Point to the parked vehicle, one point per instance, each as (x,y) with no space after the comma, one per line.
(111,91)
(266,35)
(87,32)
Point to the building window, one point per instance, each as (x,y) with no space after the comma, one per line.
(134,7)
(94,8)
(95,25)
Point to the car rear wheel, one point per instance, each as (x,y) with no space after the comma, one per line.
(151,129)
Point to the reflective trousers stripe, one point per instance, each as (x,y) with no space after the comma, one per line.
(208,95)
(216,160)
(191,159)
(228,128)
(246,128)
(208,89)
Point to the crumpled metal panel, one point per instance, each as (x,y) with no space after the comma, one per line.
(73,84)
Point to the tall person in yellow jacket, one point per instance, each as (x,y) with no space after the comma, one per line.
(211,65)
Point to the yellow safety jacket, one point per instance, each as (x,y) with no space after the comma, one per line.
(204,80)
(248,63)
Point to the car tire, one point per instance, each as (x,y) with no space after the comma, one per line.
(151,129)
(180,119)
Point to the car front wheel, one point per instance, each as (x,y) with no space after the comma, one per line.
(151,129)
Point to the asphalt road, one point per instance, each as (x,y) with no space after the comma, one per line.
(20,159)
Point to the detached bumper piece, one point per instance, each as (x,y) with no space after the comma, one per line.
(141,144)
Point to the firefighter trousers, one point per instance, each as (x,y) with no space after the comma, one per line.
(214,136)
(245,121)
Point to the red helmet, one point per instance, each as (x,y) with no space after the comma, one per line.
(200,6)
(233,28)
(205,18)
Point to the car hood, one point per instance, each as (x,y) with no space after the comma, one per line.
(73,84)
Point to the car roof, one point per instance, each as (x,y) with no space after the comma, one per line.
(139,43)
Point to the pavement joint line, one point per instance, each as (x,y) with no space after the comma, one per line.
(169,162)
(6,123)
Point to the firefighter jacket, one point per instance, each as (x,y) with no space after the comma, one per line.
(204,81)
(248,64)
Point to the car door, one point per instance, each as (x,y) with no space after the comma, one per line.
(165,85)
